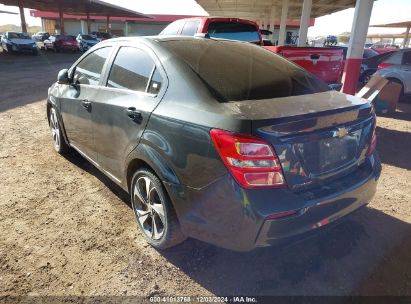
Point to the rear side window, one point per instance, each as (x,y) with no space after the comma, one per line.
(407,58)
(190,28)
(234,31)
(242,71)
(395,58)
(155,83)
(88,71)
(131,70)
(172,29)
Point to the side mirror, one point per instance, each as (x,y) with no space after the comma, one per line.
(335,86)
(63,77)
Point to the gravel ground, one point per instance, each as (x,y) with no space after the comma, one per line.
(67,230)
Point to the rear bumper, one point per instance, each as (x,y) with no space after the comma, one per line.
(229,216)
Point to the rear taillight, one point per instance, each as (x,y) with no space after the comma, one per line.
(252,162)
(384,65)
(373,142)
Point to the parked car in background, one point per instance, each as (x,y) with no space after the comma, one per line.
(18,42)
(397,68)
(100,36)
(216,140)
(324,62)
(331,40)
(370,62)
(216,27)
(41,36)
(85,42)
(58,43)
(370,65)
(385,48)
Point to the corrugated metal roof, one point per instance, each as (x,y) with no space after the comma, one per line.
(256,9)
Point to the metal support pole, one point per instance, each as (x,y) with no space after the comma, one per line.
(283,23)
(272,23)
(362,15)
(305,22)
(126,29)
(265,20)
(22,18)
(88,24)
(61,17)
(108,24)
(406,38)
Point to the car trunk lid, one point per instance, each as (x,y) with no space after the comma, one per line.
(317,137)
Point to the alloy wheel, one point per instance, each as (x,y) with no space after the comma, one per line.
(55,129)
(149,208)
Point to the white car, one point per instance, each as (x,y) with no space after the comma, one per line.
(86,41)
(18,42)
(397,68)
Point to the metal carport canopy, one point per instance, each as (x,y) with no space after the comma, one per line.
(76,7)
(256,9)
(401,24)
(73,7)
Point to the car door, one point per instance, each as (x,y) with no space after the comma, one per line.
(406,71)
(76,102)
(135,83)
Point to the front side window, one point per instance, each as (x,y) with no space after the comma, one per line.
(88,71)
(131,70)
(234,31)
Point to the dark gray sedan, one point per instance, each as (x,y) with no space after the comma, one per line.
(217,140)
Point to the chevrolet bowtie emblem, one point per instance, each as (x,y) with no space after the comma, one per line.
(341,132)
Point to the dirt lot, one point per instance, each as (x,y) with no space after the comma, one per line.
(65,229)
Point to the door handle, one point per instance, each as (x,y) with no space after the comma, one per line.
(134,115)
(86,103)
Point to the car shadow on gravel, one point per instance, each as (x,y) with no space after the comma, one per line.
(403,112)
(75,158)
(331,263)
(394,147)
(28,77)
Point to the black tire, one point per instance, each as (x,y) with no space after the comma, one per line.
(147,217)
(59,142)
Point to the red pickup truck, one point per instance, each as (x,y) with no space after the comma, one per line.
(325,63)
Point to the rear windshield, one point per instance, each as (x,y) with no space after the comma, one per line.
(236,71)
(368,53)
(234,31)
(67,38)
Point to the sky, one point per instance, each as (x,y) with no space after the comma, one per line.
(384,11)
